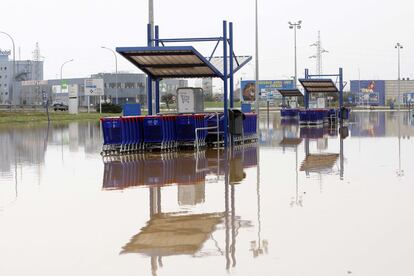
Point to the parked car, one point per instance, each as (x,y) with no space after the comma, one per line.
(60,106)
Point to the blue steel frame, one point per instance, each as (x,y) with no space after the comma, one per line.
(228,73)
(340,75)
(226,76)
(157,82)
(149,78)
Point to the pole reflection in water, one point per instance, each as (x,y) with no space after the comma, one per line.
(400,172)
(321,162)
(184,233)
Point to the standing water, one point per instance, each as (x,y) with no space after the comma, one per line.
(304,201)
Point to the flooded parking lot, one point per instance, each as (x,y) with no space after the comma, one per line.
(303,201)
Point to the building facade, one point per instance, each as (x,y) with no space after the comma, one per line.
(127,87)
(26,70)
(379,92)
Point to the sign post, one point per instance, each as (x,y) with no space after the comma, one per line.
(94,87)
(73,99)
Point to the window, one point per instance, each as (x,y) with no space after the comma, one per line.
(130,85)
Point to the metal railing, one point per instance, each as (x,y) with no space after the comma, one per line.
(208,128)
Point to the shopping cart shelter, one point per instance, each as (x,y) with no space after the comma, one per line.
(193,128)
(318,84)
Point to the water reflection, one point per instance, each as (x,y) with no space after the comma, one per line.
(185,232)
(215,212)
(24,148)
(182,169)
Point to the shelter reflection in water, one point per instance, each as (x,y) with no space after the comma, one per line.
(185,233)
(121,172)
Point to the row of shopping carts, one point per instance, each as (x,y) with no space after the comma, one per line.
(323,116)
(167,132)
(316,116)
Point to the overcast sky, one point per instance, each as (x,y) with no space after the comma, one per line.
(359,35)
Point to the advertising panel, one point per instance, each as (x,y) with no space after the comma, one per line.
(267,89)
(368,92)
(185,100)
(408,98)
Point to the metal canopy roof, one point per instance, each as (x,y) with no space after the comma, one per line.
(170,62)
(238,62)
(177,62)
(290,92)
(289,142)
(173,234)
(319,85)
(319,162)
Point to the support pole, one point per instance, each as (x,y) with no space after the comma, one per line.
(341,157)
(257,96)
(149,79)
(225,77)
(341,88)
(157,82)
(231,65)
(306,98)
(157,96)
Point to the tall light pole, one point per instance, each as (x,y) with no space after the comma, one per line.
(61,72)
(151,18)
(398,46)
(116,72)
(295,26)
(14,63)
(152,35)
(257,64)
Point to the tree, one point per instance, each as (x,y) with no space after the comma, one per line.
(168,99)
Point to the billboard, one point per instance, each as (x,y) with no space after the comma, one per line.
(408,98)
(368,92)
(267,89)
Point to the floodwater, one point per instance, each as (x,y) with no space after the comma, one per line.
(306,202)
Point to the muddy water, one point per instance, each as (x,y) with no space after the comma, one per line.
(301,202)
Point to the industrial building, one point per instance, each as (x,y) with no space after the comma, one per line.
(25,70)
(129,87)
(379,92)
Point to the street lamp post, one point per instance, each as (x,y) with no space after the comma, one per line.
(398,46)
(61,74)
(257,108)
(295,26)
(116,72)
(14,64)
(61,71)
